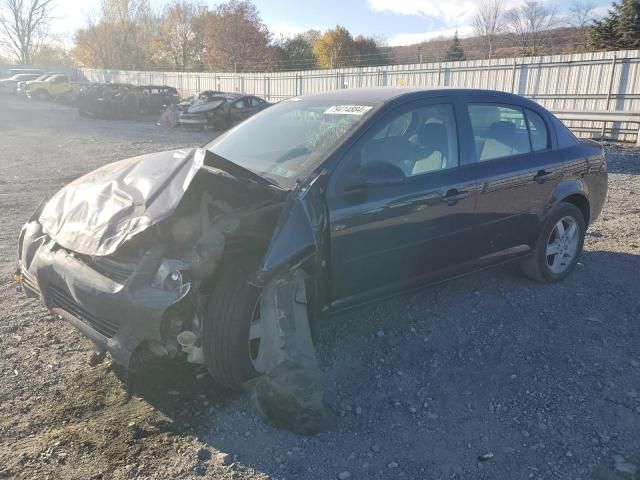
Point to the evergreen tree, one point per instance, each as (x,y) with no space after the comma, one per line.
(455,51)
(619,29)
(629,24)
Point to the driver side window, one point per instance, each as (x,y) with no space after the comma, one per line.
(417,141)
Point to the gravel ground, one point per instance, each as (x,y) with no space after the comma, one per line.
(487,377)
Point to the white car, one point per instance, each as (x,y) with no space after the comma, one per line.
(9,85)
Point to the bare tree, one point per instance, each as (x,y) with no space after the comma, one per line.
(24,27)
(581,18)
(528,21)
(488,22)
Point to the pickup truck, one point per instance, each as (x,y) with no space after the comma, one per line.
(49,88)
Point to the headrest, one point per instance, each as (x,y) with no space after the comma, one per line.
(502,131)
(433,135)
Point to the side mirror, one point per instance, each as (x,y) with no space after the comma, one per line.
(378,174)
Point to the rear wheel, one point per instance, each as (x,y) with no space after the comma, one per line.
(559,246)
(231,337)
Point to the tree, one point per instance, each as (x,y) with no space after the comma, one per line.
(122,36)
(581,17)
(335,48)
(629,24)
(24,27)
(177,40)
(488,22)
(235,38)
(528,21)
(619,29)
(455,52)
(296,53)
(369,51)
(53,56)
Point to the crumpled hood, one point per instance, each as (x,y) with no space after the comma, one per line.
(97,213)
(203,106)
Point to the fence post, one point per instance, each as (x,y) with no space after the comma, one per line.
(609,91)
(440,74)
(513,75)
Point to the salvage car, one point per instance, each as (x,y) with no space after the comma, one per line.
(157,98)
(49,88)
(21,87)
(111,101)
(10,85)
(317,204)
(220,111)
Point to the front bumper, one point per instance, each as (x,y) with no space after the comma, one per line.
(117,312)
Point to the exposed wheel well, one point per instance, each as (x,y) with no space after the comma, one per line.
(582,203)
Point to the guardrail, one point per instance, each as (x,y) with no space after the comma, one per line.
(601,116)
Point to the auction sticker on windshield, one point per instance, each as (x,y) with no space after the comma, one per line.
(347,110)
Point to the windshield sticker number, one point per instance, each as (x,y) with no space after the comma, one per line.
(347,110)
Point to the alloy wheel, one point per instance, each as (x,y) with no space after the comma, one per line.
(562,245)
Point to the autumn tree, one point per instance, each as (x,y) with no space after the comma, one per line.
(235,38)
(121,37)
(24,27)
(455,51)
(176,41)
(335,48)
(53,56)
(488,23)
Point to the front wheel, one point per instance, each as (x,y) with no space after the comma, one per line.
(559,246)
(231,339)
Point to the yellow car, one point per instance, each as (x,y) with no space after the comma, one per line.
(52,87)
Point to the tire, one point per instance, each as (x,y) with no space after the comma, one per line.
(544,268)
(226,329)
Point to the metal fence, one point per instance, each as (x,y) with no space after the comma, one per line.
(597,81)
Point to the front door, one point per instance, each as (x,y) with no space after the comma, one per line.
(385,236)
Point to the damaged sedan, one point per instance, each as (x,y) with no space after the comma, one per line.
(225,254)
(220,111)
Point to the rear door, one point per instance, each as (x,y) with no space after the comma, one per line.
(387,237)
(518,170)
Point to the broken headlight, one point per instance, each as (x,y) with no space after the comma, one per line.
(171,275)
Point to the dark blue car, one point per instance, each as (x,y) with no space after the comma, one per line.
(314,205)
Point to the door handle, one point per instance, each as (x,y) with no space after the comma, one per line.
(453,196)
(542,176)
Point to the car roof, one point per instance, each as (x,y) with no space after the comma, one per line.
(382,95)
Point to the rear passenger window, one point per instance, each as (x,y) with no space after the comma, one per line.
(538,130)
(499,131)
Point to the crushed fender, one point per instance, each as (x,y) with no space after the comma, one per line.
(290,393)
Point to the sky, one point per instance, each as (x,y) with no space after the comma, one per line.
(399,22)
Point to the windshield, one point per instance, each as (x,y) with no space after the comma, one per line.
(284,143)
